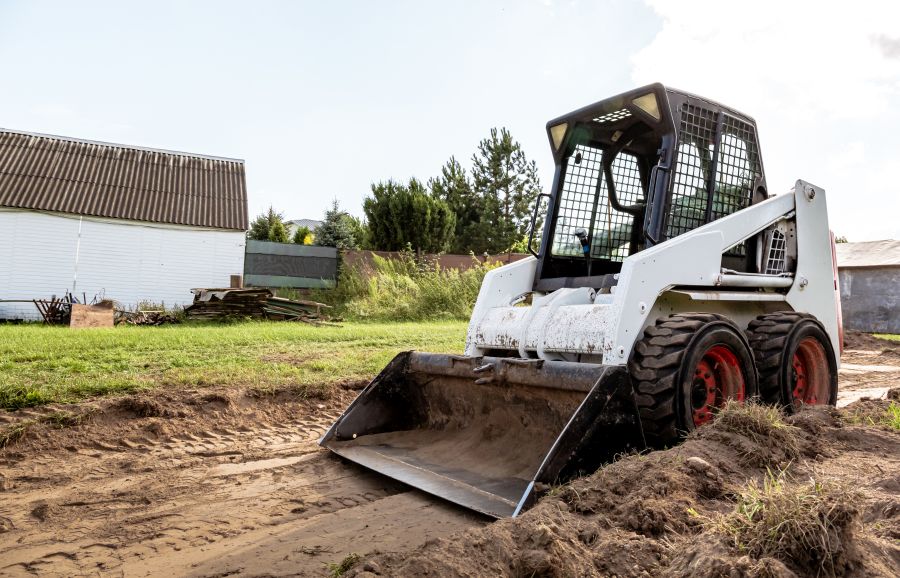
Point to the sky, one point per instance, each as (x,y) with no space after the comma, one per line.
(321,99)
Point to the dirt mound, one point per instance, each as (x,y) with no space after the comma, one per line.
(115,421)
(753,494)
(868,342)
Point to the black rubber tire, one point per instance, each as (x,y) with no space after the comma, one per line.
(775,338)
(662,366)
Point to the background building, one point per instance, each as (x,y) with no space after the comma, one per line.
(310,224)
(870,285)
(105,220)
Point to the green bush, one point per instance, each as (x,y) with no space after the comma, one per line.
(405,289)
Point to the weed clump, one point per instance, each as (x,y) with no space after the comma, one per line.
(892,416)
(337,569)
(64,419)
(758,432)
(13,433)
(874,413)
(807,526)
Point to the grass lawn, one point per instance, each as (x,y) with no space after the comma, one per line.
(40,364)
(890,336)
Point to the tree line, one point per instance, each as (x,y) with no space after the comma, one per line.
(485,209)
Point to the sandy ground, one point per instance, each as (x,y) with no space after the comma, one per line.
(200,484)
(215,483)
(869,368)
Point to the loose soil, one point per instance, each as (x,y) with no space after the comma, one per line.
(202,483)
(217,482)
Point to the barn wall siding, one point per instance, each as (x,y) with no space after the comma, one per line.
(121,260)
(870,300)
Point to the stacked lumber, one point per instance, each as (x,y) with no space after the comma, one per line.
(252,303)
(218,303)
(288,310)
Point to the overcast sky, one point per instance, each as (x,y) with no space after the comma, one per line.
(323,98)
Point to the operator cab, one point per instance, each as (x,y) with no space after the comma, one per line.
(637,169)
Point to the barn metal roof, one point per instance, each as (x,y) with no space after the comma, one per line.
(884,253)
(53,173)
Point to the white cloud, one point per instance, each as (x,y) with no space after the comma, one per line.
(822,81)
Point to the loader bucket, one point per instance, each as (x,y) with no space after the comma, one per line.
(487,433)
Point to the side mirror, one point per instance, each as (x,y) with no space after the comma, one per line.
(540,208)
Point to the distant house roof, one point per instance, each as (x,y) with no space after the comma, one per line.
(52,173)
(311,224)
(884,253)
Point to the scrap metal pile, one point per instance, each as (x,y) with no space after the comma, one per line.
(254,303)
(55,311)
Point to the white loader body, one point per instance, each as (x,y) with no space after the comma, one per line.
(668,285)
(681,274)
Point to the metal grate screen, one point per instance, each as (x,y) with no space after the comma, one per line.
(737,168)
(612,229)
(576,201)
(687,209)
(776,255)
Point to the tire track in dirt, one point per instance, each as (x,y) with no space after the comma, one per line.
(235,490)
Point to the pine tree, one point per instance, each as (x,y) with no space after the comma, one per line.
(261,227)
(338,229)
(278,232)
(507,185)
(454,188)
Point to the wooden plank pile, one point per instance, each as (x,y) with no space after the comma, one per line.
(288,310)
(252,303)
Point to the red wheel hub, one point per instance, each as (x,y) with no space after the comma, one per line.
(809,373)
(717,378)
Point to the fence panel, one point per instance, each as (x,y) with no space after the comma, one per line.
(268,264)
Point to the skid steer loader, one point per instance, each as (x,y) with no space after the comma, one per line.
(667,281)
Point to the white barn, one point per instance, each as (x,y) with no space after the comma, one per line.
(113,221)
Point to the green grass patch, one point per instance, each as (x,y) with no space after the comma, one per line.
(873,414)
(892,416)
(888,336)
(42,364)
